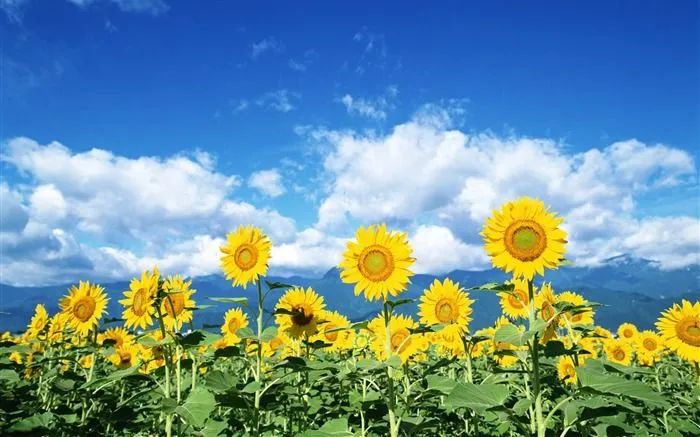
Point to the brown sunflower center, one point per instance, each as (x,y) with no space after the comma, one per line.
(246,256)
(233,325)
(649,344)
(446,310)
(84,308)
(330,336)
(577,317)
(628,333)
(276,343)
(688,330)
(525,240)
(118,340)
(124,357)
(376,263)
(518,299)
(398,340)
(174,304)
(303,315)
(139,302)
(619,354)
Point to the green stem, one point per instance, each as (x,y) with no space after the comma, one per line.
(534,352)
(258,363)
(393,425)
(697,372)
(166,358)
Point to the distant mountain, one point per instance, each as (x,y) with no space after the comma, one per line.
(631,289)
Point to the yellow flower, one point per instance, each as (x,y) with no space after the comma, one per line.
(602,334)
(544,302)
(515,304)
(276,343)
(498,346)
(524,238)
(16,357)
(567,370)
(86,361)
(377,262)
(402,342)
(125,356)
(582,318)
(234,319)
(176,305)
(627,332)
(478,349)
(139,300)
(338,340)
(120,336)
(589,345)
(84,306)
(679,327)
(38,322)
(618,351)
(57,326)
(247,252)
(446,303)
(449,342)
(306,306)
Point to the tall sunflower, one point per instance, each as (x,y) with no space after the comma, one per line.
(39,321)
(139,300)
(581,318)
(338,340)
(246,254)
(180,296)
(680,329)
(377,262)
(305,307)
(234,319)
(446,303)
(84,306)
(524,238)
(403,343)
(515,304)
(627,332)
(618,351)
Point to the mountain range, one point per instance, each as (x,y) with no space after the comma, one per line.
(631,290)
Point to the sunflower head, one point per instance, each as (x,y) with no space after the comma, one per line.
(446,303)
(566,370)
(302,312)
(582,317)
(330,321)
(139,300)
(515,304)
(176,306)
(402,342)
(377,262)
(234,319)
(524,238)
(679,328)
(627,332)
(618,351)
(125,356)
(84,306)
(39,321)
(120,336)
(246,253)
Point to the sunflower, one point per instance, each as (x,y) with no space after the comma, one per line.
(139,300)
(544,303)
(504,360)
(176,306)
(120,336)
(524,238)
(581,318)
(125,356)
(305,307)
(478,349)
(84,306)
(627,332)
(38,322)
(377,262)
(57,326)
(602,334)
(515,304)
(650,348)
(338,340)
(589,345)
(276,343)
(403,343)
(679,327)
(234,319)
(86,361)
(16,357)
(618,351)
(449,343)
(567,370)
(246,254)
(446,303)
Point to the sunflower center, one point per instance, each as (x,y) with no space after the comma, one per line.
(84,308)
(517,299)
(525,240)
(628,333)
(303,315)
(446,310)
(330,336)
(376,263)
(124,357)
(688,330)
(577,317)
(275,343)
(138,305)
(397,340)
(246,256)
(619,354)
(178,304)
(649,344)
(233,325)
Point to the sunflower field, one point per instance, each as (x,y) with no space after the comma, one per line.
(543,368)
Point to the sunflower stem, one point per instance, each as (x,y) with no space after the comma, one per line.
(393,425)
(258,363)
(534,351)
(166,357)
(697,372)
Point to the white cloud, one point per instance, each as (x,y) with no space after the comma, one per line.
(13,9)
(265,45)
(239,105)
(268,182)
(375,108)
(437,251)
(153,7)
(280,100)
(303,63)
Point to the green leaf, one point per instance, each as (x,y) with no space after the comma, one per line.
(334,427)
(9,375)
(219,381)
(246,333)
(440,383)
(477,397)
(493,286)
(213,428)
(199,338)
(513,335)
(275,285)
(269,333)
(395,303)
(197,407)
(620,386)
(252,387)
(31,423)
(114,376)
(236,300)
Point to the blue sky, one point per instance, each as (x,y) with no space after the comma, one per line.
(279,111)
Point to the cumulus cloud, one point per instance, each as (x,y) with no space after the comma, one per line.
(268,182)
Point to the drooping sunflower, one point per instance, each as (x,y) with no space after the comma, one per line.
(234,319)
(618,351)
(176,306)
(402,342)
(84,306)
(566,370)
(39,321)
(338,340)
(585,317)
(627,332)
(305,308)
(139,300)
(448,304)
(515,304)
(120,336)
(86,361)
(377,262)
(679,327)
(246,254)
(524,237)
